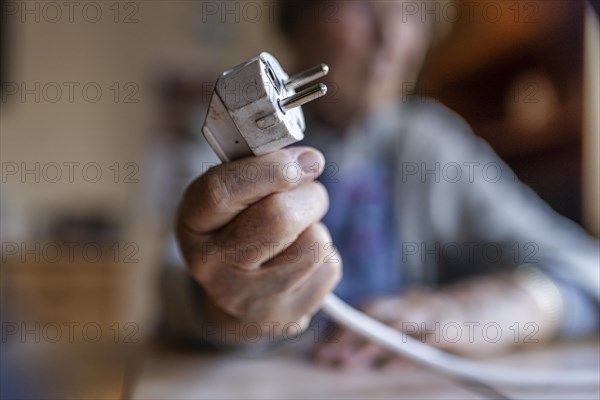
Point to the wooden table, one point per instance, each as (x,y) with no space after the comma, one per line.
(287,374)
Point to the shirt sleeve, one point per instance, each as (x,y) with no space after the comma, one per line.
(489,205)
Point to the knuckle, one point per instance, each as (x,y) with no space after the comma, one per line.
(321,190)
(319,199)
(283,181)
(274,204)
(284,177)
(197,261)
(279,215)
(318,233)
(229,252)
(228,288)
(215,190)
(233,305)
(191,245)
(320,240)
(332,273)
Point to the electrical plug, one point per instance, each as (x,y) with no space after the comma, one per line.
(255,109)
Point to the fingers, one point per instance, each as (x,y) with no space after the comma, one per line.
(305,298)
(368,355)
(308,297)
(268,227)
(351,351)
(301,259)
(216,197)
(328,353)
(250,234)
(278,283)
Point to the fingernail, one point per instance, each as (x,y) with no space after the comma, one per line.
(311,162)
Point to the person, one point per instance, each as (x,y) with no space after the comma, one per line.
(436,236)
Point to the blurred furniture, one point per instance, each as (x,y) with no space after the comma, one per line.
(91,371)
(66,292)
(513,70)
(66,330)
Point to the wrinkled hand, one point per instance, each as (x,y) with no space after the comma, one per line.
(250,234)
(475,318)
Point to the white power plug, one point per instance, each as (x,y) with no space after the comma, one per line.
(255,109)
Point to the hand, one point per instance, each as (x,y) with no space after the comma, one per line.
(475,318)
(250,234)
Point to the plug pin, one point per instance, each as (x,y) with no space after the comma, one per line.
(307,76)
(303,97)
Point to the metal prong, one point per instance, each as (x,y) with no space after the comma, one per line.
(307,76)
(303,97)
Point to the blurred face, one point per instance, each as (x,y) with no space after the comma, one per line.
(371,48)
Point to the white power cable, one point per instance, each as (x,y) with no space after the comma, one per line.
(449,364)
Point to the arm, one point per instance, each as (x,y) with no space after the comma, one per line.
(493,207)
(544,281)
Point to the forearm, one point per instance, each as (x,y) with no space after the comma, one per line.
(523,306)
(484,315)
